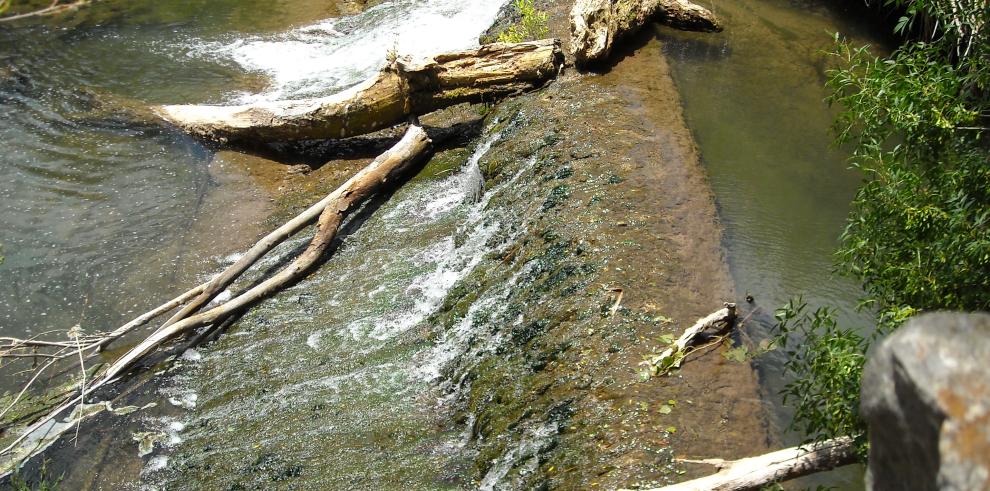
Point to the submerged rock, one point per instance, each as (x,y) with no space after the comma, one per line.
(926,397)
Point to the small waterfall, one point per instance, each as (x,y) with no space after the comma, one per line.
(368,301)
(331,55)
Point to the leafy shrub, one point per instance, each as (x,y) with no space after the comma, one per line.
(532,25)
(918,234)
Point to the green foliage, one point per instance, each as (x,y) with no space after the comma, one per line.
(44,482)
(532,26)
(829,360)
(918,234)
(4,5)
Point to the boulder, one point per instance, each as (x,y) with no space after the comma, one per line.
(926,398)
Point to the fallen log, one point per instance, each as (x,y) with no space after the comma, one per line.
(716,322)
(388,168)
(596,25)
(783,465)
(391,167)
(401,89)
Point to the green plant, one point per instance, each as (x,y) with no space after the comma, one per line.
(828,360)
(531,26)
(44,482)
(918,234)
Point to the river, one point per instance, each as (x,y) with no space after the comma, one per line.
(102,217)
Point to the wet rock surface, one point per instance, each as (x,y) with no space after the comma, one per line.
(926,397)
(615,199)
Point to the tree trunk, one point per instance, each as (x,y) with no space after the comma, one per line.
(596,25)
(783,465)
(401,89)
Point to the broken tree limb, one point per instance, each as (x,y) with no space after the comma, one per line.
(56,7)
(717,322)
(783,465)
(392,166)
(596,25)
(401,89)
(16,347)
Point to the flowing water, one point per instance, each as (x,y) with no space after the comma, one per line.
(96,207)
(348,395)
(85,193)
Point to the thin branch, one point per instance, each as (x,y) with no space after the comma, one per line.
(54,8)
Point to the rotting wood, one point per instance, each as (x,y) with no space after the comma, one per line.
(782,465)
(596,25)
(401,89)
(388,169)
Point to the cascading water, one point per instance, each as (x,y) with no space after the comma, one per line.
(328,56)
(325,370)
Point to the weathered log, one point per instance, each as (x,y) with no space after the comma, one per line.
(596,25)
(389,168)
(672,356)
(401,89)
(783,465)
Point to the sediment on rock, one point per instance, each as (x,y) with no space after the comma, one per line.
(596,25)
(403,88)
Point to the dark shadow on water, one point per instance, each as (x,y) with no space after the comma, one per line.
(317,153)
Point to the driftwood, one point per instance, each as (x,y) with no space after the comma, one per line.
(783,465)
(401,89)
(596,25)
(388,169)
(719,321)
(392,166)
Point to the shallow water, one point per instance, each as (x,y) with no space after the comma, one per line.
(754,99)
(95,205)
(347,396)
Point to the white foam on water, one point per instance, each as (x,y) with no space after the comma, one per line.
(524,453)
(464,337)
(451,262)
(187,401)
(334,54)
(156,463)
(192,355)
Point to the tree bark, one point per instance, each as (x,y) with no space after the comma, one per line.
(783,465)
(596,25)
(401,89)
